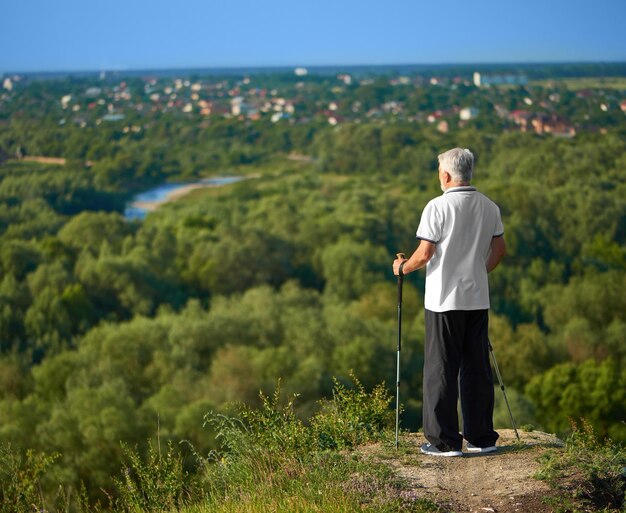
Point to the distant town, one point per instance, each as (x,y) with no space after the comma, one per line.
(559,107)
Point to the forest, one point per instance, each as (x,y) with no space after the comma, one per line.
(112,330)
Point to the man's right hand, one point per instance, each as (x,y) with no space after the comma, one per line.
(396,265)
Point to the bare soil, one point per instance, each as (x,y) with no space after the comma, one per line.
(499,482)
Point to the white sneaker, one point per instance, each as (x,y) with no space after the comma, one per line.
(431,450)
(473,448)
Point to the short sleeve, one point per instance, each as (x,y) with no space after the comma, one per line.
(430,227)
(499,227)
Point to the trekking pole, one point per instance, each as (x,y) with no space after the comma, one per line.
(495,366)
(400,279)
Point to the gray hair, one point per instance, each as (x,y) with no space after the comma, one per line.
(459,163)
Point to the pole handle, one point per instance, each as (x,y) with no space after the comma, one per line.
(400,279)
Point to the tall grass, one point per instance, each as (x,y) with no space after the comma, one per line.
(158,484)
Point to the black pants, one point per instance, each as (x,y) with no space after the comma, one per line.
(457,345)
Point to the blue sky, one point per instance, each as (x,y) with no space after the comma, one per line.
(68,35)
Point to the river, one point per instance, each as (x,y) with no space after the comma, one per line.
(147,201)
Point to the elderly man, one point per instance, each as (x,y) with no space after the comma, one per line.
(461,240)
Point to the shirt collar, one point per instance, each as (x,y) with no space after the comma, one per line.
(460,188)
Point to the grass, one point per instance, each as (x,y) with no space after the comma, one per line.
(273,462)
(575,84)
(324,482)
(591,472)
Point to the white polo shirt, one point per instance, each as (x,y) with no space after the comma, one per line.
(461,222)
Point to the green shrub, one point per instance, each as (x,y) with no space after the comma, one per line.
(20,480)
(352,417)
(276,427)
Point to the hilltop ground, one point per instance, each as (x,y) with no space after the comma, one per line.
(500,482)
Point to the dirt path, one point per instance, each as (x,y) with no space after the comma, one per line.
(500,482)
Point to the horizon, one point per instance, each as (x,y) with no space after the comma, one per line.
(71,36)
(315,67)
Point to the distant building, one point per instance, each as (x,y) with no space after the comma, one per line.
(552,124)
(113,117)
(434,116)
(542,123)
(345,78)
(277,116)
(521,118)
(481,80)
(301,72)
(443,127)
(205,107)
(237,105)
(468,113)
(7,84)
(93,92)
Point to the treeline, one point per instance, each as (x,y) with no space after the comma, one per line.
(171,148)
(111,330)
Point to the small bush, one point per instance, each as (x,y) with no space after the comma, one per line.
(352,417)
(276,427)
(20,487)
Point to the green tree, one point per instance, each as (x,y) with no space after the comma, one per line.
(590,390)
(351,268)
